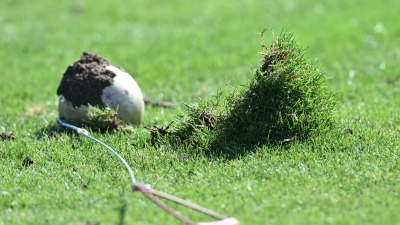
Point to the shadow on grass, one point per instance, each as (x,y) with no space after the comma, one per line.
(52,131)
(122,214)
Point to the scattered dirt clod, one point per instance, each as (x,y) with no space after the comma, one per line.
(52,134)
(156,103)
(349,130)
(208,119)
(158,131)
(288,140)
(27,161)
(4,136)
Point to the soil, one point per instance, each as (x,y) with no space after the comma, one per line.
(156,103)
(159,131)
(6,136)
(208,119)
(27,161)
(273,57)
(83,81)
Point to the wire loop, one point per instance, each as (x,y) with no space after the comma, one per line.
(152,193)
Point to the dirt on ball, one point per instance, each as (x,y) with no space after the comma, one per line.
(83,81)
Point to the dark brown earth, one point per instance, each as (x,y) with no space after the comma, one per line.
(83,81)
(6,136)
(159,131)
(27,161)
(208,119)
(273,57)
(156,103)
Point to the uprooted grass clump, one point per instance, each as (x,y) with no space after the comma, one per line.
(287,99)
(102,119)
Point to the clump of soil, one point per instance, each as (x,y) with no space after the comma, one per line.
(83,81)
(27,161)
(159,131)
(208,119)
(156,103)
(5,136)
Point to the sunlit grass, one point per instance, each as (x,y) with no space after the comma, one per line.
(180,51)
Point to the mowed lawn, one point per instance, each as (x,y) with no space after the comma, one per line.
(182,51)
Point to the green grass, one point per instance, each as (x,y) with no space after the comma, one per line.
(181,51)
(288,98)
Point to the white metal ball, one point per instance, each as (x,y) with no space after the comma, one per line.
(123,95)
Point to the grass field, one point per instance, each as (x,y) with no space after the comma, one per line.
(181,51)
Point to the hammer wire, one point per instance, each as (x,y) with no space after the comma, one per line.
(145,189)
